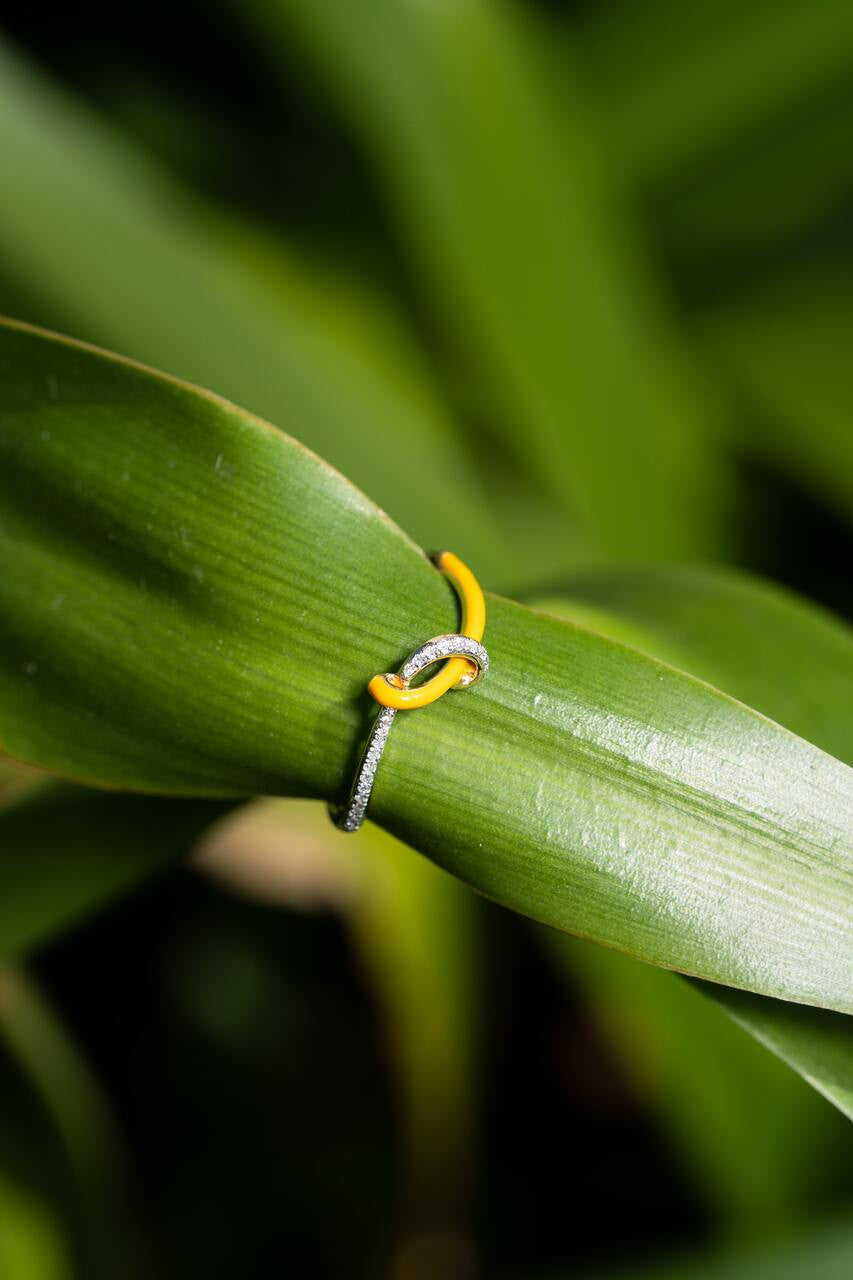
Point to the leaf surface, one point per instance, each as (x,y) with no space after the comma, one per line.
(755,641)
(192,602)
(764,645)
(815,1042)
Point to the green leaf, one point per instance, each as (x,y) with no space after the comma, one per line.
(524,258)
(192,602)
(111,249)
(749,637)
(815,1042)
(753,640)
(67,850)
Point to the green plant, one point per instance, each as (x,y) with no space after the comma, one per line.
(192,601)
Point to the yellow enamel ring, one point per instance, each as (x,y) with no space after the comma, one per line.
(391,690)
(465,661)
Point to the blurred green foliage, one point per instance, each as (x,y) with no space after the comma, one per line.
(556,285)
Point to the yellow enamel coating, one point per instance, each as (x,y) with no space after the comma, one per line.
(473,624)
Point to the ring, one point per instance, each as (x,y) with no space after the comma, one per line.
(465,662)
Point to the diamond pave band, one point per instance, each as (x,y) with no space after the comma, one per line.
(351,815)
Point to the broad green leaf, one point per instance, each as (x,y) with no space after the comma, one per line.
(192,602)
(523,256)
(66,850)
(108,247)
(815,1042)
(752,640)
(759,642)
(784,345)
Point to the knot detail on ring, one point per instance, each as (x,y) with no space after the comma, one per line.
(436,649)
(390,693)
(465,662)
